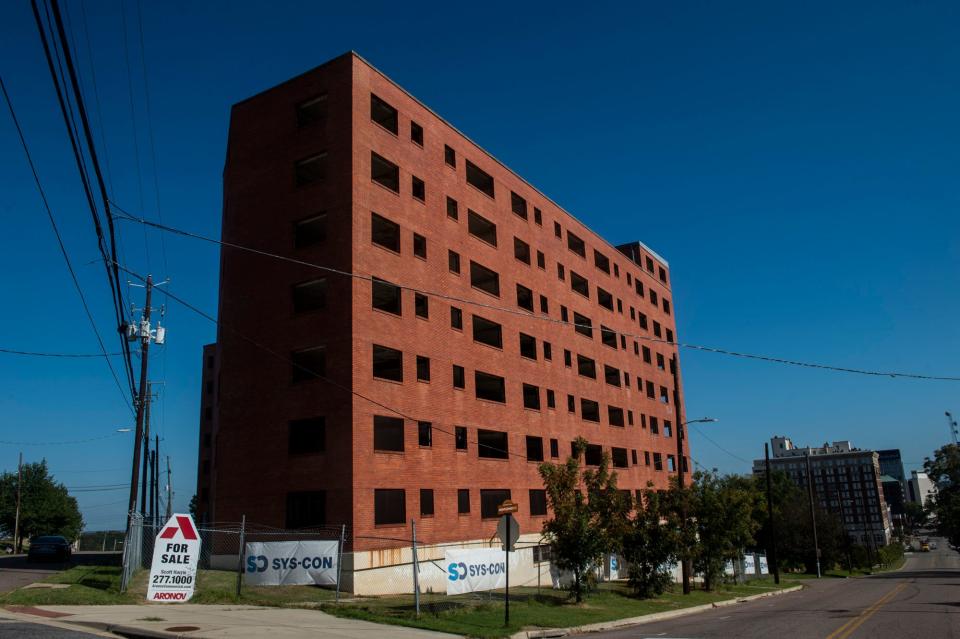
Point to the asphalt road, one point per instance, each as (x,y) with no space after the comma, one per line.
(15,571)
(921,600)
(9,628)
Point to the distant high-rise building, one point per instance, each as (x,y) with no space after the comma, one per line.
(846,482)
(920,488)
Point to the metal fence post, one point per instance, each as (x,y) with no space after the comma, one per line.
(243,529)
(343,534)
(416,569)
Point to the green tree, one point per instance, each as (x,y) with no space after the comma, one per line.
(192,507)
(46,508)
(582,527)
(944,471)
(723,508)
(795,537)
(915,515)
(652,543)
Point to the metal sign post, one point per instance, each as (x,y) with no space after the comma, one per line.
(509,532)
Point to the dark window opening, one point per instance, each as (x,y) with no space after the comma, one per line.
(459,377)
(538,502)
(589,410)
(426,502)
(309,363)
(479,178)
(388,433)
(586,367)
(660,362)
(416,133)
(657,461)
(567,358)
(638,286)
(557,230)
(387,297)
(518,205)
(664,395)
(618,456)
(417,188)
(492,444)
(656,329)
(653,297)
(608,336)
(528,346)
(384,172)
(490,501)
(463,501)
(615,416)
(312,110)
(531,396)
(583,325)
(487,332)
(666,305)
(544,305)
(521,250)
(642,318)
(389,506)
(554,448)
(601,261)
(560,272)
(524,297)
(384,114)
(456,318)
(605,299)
(654,425)
(575,244)
(311,169)
(482,228)
(384,232)
(647,355)
(579,284)
(423,368)
(421,305)
(649,264)
(563,313)
(420,246)
(306,509)
(651,393)
(310,296)
(593,455)
(551,399)
(547,351)
(541,260)
(307,436)
(663,274)
(484,279)
(571,404)
(611,375)
(449,156)
(537,216)
(310,231)
(534,448)
(387,363)
(453,209)
(633,456)
(453,262)
(490,387)
(425,434)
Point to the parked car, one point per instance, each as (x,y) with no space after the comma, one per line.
(50,548)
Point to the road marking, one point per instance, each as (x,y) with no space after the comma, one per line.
(848,628)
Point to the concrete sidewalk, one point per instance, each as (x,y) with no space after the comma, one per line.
(214,622)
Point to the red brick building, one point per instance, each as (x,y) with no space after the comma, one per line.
(441,384)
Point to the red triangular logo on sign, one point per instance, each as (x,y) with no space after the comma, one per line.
(183,525)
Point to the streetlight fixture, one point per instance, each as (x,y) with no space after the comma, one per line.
(124,430)
(702,420)
(685,568)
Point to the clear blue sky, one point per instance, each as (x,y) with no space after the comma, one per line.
(798,166)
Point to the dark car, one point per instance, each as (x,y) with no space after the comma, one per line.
(49,548)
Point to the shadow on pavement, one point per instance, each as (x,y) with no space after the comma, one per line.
(918,574)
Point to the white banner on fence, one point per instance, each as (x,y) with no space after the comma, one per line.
(173,572)
(478,569)
(749,565)
(764,569)
(728,569)
(291,563)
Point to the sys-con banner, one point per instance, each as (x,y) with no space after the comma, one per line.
(480,569)
(173,571)
(291,563)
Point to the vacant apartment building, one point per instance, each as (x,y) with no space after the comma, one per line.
(440,328)
(846,482)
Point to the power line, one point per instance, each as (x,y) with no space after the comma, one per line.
(369,278)
(62,443)
(66,355)
(63,250)
(701,433)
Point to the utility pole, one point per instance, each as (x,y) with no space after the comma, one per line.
(685,565)
(169,491)
(144,492)
(156,482)
(772,536)
(846,535)
(813,516)
(142,332)
(16,521)
(153,486)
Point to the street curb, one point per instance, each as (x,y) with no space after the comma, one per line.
(644,619)
(132,632)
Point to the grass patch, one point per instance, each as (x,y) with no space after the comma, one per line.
(89,585)
(481,614)
(100,585)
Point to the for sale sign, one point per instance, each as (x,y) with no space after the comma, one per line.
(176,550)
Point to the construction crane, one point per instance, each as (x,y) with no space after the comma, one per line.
(952,424)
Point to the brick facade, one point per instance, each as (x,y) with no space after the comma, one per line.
(255,469)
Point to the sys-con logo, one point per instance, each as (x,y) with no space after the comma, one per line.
(460,570)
